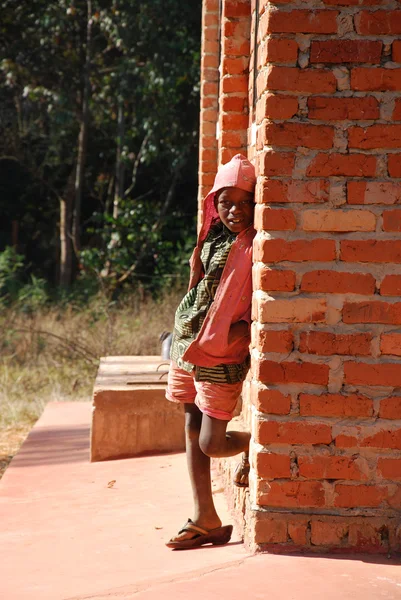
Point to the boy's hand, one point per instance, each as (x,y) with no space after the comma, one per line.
(238,330)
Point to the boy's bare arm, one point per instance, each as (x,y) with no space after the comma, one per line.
(238,330)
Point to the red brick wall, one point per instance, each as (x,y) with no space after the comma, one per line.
(209,102)
(326,358)
(326,400)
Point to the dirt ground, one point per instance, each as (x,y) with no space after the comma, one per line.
(11,439)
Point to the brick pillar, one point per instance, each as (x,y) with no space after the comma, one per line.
(209,101)
(326,450)
(234,72)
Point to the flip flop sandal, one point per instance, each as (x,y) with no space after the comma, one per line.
(242,472)
(217,537)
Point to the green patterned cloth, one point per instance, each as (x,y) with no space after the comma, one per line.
(193,309)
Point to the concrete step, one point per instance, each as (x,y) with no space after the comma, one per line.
(131,415)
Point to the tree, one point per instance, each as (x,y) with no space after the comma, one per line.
(103,105)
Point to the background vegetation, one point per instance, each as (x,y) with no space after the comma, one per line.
(99,105)
(99,130)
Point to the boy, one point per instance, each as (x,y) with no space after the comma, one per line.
(210,347)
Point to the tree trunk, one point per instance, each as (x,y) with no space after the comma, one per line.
(66,203)
(83,137)
(119,187)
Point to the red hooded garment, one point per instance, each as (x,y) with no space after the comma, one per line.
(232,302)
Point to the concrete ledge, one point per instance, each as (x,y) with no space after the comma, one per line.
(130,414)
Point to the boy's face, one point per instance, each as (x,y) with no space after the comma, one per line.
(235,208)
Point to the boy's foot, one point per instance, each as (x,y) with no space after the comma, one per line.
(241,473)
(197,536)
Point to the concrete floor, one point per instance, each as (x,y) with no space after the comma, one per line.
(73,530)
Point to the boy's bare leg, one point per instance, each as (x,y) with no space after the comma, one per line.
(205,514)
(215,442)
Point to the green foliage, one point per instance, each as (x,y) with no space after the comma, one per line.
(28,296)
(11,267)
(145,59)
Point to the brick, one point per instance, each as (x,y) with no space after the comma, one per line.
(271,372)
(331,467)
(346,441)
(338,220)
(234,83)
(270,531)
(373,192)
(376,136)
(273,279)
(372,312)
(293,135)
(294,191)
(234,104)
(270,465)
(379,22)
(209,155)
(210,19)
(292,310)
(276,106)
(336,282)
(390,343)
(328,533)
(396,51)
(375,251)
(366,537)
(209,102)
(235,66)
(234,9)
(297,533)
(394,165)
(385,374)
(353,2)
(210,61)
(391,285)
(351,496)
(326,344)
(232,46)
(389,468)
(275,341)
(299,21)
(276,163)
(290,432)
(226,154)
(279,250)
(335,405)
(291,494)
(270,401)
(211,6)
(397,110)
(207,179)
(207,128)
(342,109)
(348,165)
(292,79)
(209,141)
(233,122)
(386,438)
(375,79)
(278,51)
(346,51)
(233,139)
(274,219)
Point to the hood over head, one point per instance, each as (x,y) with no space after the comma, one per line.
(240,173)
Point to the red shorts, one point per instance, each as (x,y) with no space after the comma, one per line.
(216,400)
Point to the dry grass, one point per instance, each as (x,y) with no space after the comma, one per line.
(53,354)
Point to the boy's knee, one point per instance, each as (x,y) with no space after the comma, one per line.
(210,446)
